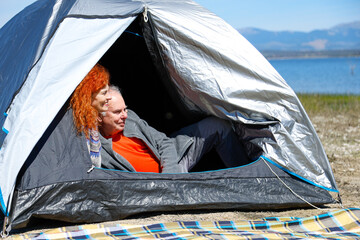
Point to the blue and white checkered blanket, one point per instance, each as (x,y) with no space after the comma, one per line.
(340,224)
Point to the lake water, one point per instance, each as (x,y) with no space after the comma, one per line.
(321,75)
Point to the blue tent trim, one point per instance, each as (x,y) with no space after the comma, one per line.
(5,130)
(298,176)
(2,203)
(261,157)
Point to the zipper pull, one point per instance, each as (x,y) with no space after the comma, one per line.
(145,14)
(92,168)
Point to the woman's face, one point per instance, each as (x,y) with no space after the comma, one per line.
(100,99)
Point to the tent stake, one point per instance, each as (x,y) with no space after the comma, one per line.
(4,233)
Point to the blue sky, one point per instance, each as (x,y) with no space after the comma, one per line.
(293,15)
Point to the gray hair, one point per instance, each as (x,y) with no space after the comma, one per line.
(115,89)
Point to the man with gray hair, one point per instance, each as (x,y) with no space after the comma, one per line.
(129,143)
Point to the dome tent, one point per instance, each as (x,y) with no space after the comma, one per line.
(190,62)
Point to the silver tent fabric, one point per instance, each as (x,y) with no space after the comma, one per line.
(219,72)
(49,47)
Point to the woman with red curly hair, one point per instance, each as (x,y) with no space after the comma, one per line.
(90,99)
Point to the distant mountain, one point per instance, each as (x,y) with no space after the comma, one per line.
(341,37)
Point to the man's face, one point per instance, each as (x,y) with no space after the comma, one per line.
(114,120)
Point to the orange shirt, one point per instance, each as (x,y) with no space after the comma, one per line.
(136,152)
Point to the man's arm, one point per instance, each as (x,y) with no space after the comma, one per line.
(162,146)
(169,157)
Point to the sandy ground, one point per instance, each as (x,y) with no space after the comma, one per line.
(340,136)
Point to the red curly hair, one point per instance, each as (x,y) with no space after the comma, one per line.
(85,115)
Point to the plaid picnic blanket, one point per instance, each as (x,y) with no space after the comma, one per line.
(340,224)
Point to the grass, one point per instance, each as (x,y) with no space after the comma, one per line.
(330,104)
(336,120)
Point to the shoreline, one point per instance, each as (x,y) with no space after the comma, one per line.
(308,57)
(286,55)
